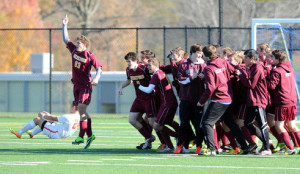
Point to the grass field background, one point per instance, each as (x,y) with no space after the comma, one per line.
(114,151)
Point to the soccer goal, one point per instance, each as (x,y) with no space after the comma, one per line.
(279,34)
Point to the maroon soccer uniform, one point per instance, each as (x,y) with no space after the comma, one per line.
(82,63)
(168,100)
(144,103)
(285,98)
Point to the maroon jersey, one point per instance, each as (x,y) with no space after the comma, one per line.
(82,63)
(142,77)
(163,86)
(283,83)
(239,90)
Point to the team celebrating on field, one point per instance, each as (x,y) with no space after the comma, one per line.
(231,96)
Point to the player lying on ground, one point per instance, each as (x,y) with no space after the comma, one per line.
(48,124)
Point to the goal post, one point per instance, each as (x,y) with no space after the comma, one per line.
(276,32)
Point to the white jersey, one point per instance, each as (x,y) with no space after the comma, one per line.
(68,126)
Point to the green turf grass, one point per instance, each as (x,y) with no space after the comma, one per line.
(113,151)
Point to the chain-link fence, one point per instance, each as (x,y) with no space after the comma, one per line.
(108,44)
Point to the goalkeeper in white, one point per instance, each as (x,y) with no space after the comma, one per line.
(48,124)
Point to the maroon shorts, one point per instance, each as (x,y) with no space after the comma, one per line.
(240,111)
(270,109)
(82,94)
(144,106)
(285,113)
(165,115)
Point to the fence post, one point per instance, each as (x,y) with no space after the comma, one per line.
(290,48)
(220,22)
(137,40)
(50,73)
(164,36)
(186,38)
(209,33)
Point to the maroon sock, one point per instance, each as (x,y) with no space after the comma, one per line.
(83,127)
(145,132)
(286,139)
(247,135)
(276,135)
(292,135)
(175,126)
(231,139)
(225,139)
(166,136)
(217,142)
(147,125)
(160,137)
(170,132)
(297,138)
(89,131)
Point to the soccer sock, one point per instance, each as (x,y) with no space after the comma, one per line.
(286,139)
(166,136)
(253,137)
(36,131)
(297,138)
(170,132)
(247,135)
(147,125)
(145,132)
(160,137)
(175,126)
(89,131)
(276,135)
(83,127)
(27,127)
(231,139)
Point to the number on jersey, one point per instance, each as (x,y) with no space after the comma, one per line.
(77,64)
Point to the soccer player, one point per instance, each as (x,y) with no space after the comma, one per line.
(191,88)
(168,107)
(82,63)
(47,124)
(283,83)
(217,79)
(257,99)
(143,103)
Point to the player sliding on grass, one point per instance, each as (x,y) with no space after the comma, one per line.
(82,63)
(46,122)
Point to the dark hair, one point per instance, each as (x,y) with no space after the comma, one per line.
(280,55)
(194,48)
(74,104)
(131,55)
(148,54)
(252,53)
(210,52)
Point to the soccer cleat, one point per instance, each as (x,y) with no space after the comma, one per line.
(89,141)
(219,151)
(264,152)
(198,150)
(253,148)
(160,147)
(29,133)
(282,146)
(148,143)
(140,147)
(78,141)
(226,147)
(290,152)
(15,132)
(245,151)
(235,151)
(166,150)
(178,149)
(208,153)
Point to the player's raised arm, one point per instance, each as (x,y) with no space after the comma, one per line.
(65,30)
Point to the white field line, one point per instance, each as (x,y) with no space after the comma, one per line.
(188,166)
(23,163)
(147,158)
(85,161)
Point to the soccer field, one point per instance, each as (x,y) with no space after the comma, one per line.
(114,151)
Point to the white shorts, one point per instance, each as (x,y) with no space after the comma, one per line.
(52,130)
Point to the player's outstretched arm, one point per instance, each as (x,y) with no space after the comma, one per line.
(65,30)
